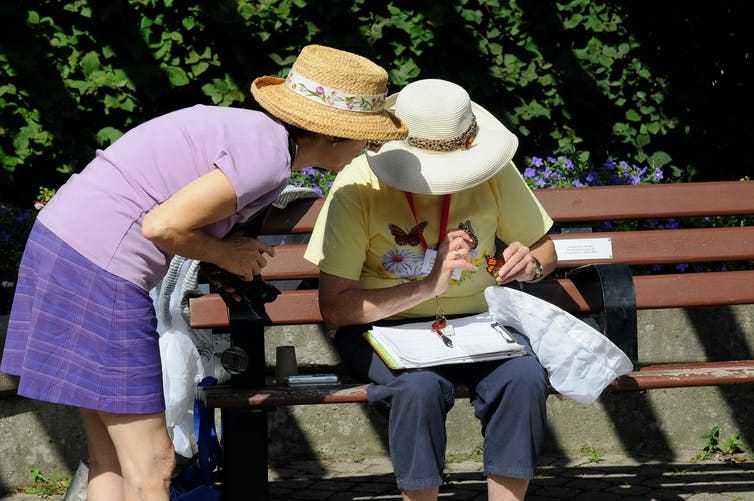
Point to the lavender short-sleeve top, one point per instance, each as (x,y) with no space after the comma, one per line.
(99,211)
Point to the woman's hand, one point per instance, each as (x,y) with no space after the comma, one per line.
(454,252)
(520,264)
(245,256)
(344,302)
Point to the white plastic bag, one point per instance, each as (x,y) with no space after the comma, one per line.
(580,360)
(186,353)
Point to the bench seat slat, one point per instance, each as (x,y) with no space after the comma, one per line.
(686,375)
(646,378)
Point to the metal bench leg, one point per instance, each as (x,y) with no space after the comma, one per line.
(244,431)
(244,455)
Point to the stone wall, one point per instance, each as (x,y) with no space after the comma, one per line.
(668,423)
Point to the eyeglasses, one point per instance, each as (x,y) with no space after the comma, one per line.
(371,145)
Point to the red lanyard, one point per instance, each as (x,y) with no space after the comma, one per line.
(443,217)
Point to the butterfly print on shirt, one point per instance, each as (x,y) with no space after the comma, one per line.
(412,237)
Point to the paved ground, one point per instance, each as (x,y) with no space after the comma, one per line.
(613,478)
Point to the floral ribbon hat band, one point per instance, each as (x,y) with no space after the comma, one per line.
(332,97)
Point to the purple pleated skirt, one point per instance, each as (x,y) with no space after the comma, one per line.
(80,336)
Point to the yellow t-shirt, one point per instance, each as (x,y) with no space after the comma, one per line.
(367,232)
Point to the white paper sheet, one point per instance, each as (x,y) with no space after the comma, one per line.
(416,345)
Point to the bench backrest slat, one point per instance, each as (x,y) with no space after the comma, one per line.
(605,203)
(595,203)
(572,205)
(302,306)
(694,289)
(647,247)
(634,248)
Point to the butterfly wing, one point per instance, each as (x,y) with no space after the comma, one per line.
(400,236)
(494,264)
(415,235)
(466,226)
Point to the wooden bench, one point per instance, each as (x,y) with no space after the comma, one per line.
(608,288)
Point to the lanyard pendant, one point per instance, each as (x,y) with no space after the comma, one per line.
(443,329)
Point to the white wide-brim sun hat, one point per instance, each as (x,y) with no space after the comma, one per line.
(453,143)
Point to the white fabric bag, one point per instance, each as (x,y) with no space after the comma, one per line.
(579,359)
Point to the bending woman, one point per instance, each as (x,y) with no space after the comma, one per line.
(82,330)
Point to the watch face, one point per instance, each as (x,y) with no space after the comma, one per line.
(538,270)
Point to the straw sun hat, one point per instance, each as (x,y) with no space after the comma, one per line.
(453,143)
(331,92)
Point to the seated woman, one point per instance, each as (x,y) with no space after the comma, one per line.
(419,230)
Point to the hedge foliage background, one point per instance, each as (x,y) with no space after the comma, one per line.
(667,84)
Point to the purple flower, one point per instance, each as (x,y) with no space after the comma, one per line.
(320,90)
(529,172)
(681,267)
(536,161)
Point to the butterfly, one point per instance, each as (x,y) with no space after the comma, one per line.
(413,237)
(470,232)
(494,264)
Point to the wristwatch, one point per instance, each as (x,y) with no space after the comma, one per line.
(539,272)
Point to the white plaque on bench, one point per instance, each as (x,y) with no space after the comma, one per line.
(574,249)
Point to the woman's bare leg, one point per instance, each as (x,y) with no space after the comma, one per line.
(144,452)
(421,495)
(506,488)
(105,480)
